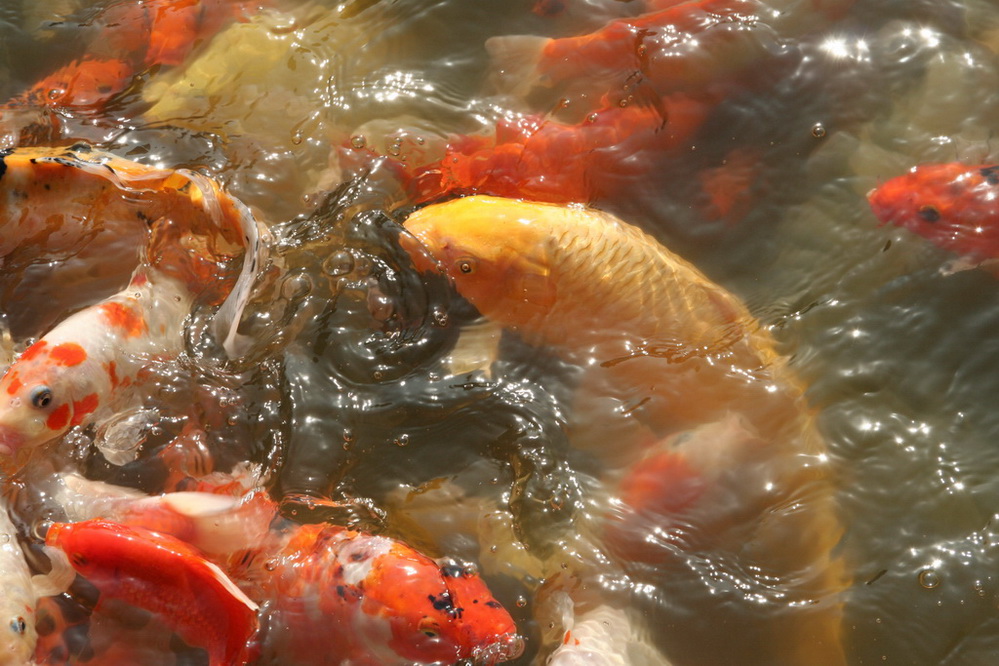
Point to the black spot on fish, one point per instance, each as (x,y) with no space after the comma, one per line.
(341,591)
(443,603)
(991,174)
(929,214)
(452,571)
(66,162)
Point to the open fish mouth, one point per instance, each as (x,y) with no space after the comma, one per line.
(506,647)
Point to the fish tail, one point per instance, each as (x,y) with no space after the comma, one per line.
(515,61)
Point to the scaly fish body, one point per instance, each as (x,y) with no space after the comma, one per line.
(607,296)
(954,205)
(163,575)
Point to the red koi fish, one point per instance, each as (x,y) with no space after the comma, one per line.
(955,206)
(685,47)
(131,38)
(163,575)
(547,160)
(85,367)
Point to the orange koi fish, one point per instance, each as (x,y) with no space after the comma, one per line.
(955,206)
(607,295)
(547,160)
(163,575)
(131,37)
(340,596)
(85,367)
(674,351)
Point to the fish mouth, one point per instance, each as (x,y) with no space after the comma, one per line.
(506,647)
(421,254)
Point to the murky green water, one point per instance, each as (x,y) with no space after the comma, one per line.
(344,391)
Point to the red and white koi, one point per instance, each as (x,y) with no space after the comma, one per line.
(84,368)
(329,594)
(166,576)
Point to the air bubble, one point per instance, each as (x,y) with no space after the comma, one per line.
(358,141)
(929,579)
(818,130)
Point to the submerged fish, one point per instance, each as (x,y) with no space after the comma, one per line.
(130,38)
(953,205)
(85,367)
(163,575)
(675,351)
(547,160)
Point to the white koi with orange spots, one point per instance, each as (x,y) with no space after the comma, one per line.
(83,369)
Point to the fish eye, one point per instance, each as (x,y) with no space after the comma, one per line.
(41,397)
(929,213)
(466,265)
(18,625)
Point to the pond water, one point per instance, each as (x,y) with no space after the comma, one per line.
(350,387)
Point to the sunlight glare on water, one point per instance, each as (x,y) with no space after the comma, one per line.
(375,396)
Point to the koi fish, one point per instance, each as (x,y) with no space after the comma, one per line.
(955,206)
(85,367)
(335,595)
(163,575)
(676,46)
(686,47)
(17,605)
(606,295)
(547,160)
(672,350)
(330,594)
(130,39)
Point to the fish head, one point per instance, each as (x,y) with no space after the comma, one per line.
(42,396)
(491,250)
(954,205)
(438,614)
(18,641)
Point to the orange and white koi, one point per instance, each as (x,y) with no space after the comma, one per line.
(955,206)
(163,575)
(85,367)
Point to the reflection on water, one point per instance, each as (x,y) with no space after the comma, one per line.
(361,383)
